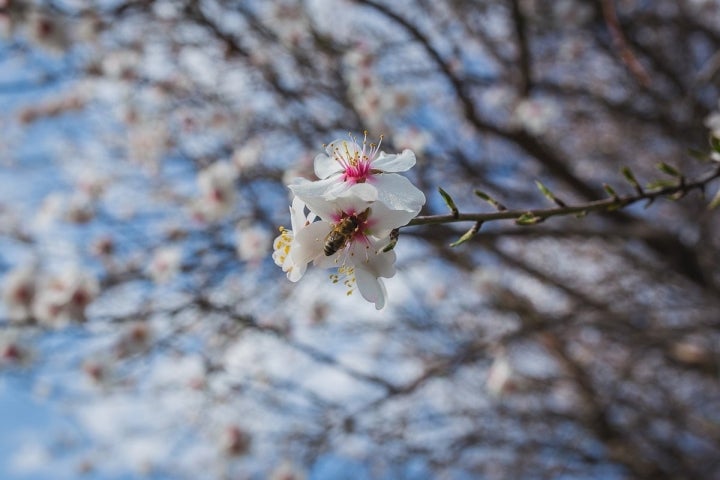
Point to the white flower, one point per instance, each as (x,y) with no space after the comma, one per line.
(18,293)
(92,184)
(284,246)
(13,351)
(347,163)
(63,298)
(412,138)
(47,31)
(352,232)
(235,441)
(217,190)
(147,140)
(120,63)
(713,123)
(247,156)
(80,208)
(499,377)
(252,243)
(165,264)
(535,115)
(287,471)
(502,378)
(137,338)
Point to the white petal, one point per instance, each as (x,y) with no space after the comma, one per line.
(321,206)
(329,198)
(304,188)
(399,162)
(296,271)
(398,193)
(382,220)
(369,256)
(309,242)
(297,214)
(371,288)
(363,191)
(383,264)
(326,166)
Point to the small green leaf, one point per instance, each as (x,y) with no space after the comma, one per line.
(449,202)
(662,183)
(715,143)
(698,154)
(548,194)
(528,219)
(630,177)
(499,206)
(610,191)
(467,235)
(669,170)
(715,201)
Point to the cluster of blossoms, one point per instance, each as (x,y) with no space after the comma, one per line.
(46,29)
(345,219)
(52,301)
(374,100)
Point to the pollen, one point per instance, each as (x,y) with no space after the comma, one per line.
(356,159)
(345,274)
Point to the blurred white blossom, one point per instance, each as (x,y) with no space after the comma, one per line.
(535,115)
(713,123)
(63,298)
(19,292)
(235,441)
(287,471)
(165,264)
(47,31)
(248,155)
(253,242)
(502,378)
(217,191)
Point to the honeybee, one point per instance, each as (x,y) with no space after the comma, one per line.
(343,232)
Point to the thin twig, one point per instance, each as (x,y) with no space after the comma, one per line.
(612,203)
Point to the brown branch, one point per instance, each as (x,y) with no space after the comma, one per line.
(538,215)
(626,54)
(524,58)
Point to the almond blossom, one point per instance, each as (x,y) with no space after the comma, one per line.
(362,227)
(18,293)
(165,264)
(251,242)
(217,190)
(63,299)
(285,246)
(348,163)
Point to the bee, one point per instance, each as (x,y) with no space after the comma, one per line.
(343,232)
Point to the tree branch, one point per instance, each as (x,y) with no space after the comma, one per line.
(538,215)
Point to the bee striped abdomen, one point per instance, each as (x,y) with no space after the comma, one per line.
(340,235)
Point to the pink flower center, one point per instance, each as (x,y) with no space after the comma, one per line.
(357,173)
(355,160)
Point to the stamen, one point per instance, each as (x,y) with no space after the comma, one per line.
(348,276)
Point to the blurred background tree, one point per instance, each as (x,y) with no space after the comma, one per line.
(145,150)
